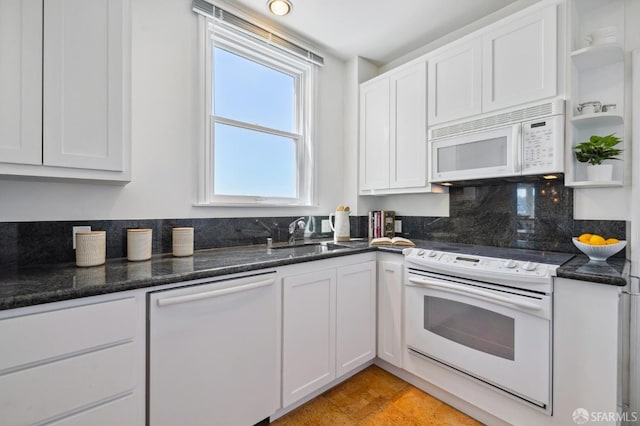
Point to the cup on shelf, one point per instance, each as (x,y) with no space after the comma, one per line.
(602,35)
(609,108)
(590,107)
(91,248)
(182,241)
(139,243)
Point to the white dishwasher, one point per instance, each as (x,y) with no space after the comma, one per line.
(213,352)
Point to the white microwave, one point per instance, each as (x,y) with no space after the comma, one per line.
(528,141)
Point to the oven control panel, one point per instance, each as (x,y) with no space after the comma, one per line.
(489,269)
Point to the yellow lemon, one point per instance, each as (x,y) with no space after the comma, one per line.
(596,240)
(612,241)
(584,238)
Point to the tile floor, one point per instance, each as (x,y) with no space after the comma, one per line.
(374,397)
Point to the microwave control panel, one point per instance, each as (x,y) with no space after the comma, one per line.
(543,145)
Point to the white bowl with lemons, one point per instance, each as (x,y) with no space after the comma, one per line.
(597,247)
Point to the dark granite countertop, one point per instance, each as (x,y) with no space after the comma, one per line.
(39,284)
(612,272)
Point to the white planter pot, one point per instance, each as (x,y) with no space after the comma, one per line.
(600,172)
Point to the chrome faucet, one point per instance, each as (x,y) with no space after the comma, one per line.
(294,226)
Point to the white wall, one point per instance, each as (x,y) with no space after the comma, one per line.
(357,70)
(165,104)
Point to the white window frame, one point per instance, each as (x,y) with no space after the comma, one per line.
(219,34)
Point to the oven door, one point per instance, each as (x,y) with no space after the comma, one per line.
(496,334)
(487,154)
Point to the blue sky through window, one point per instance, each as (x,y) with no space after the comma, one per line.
(247,91)
(253,163)
(248,162)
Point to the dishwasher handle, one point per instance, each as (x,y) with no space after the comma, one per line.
(478,294)
(173,300)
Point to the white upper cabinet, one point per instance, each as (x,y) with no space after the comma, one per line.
(455,83)
(510,63)
(374,134)
(519,60)
(21,81)
(65,84)
(83,84)
(408,143)
(393,132)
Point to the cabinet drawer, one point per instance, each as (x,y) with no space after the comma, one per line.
(32,338)
(119,412)
(50,390)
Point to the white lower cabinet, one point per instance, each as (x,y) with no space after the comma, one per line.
(587,345)
(68,363)
(309,333)
(328,325)
(356,316)
(390,308)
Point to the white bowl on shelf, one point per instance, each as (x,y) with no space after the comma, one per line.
(599,253)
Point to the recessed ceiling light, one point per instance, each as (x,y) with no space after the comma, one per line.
(279,7)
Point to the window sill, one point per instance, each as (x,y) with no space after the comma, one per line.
(253,205)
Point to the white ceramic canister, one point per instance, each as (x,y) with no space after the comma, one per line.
(341,229)
(182,241)
(139,244)
(91,248)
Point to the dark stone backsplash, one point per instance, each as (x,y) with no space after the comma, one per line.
(518,215)
(531,215)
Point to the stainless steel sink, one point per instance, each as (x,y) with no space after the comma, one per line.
(309,248)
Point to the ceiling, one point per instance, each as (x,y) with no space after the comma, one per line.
(378,30)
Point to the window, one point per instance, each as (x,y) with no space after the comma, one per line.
(259,117)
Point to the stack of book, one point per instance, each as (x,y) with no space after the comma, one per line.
(382,224)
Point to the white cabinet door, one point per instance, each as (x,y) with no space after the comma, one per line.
(586,345)
(21,81)
(309,333)
(374,135)
(84,83)
(356,316)
(519,60)
(390,312)
(455,83)
(408,145)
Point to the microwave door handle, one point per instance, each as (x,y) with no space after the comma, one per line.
(518,148)
(478,294)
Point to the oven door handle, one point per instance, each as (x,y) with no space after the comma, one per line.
(478,294)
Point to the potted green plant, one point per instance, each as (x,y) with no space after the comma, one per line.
(596,150)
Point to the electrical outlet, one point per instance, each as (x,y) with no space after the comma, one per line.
(398,226)
(78,229)
(325,226)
